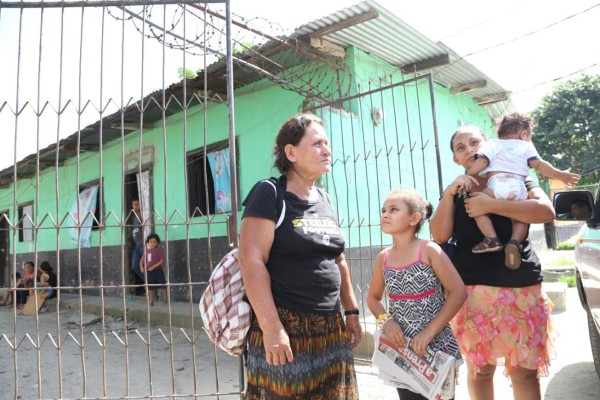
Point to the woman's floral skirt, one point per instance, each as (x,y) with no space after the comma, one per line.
(506,326)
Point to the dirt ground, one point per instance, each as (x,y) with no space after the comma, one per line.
(572,374)
(80,356)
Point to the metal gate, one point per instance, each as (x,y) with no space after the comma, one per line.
(382,138)
(77,123)
(83,141)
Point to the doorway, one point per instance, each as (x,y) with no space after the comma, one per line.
(137,187)
(4,249)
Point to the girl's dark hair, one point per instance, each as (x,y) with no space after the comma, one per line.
(291,132)
(514,123)
(153,236)
(45,266)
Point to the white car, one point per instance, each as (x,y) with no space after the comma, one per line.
(580,206)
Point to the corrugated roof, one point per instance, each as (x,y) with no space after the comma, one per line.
(393,40)
(386,36)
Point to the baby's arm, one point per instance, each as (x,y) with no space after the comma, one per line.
(456,294)
(479,165)
(547,169)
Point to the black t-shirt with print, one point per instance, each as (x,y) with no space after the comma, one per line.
(304,275)
(488,268)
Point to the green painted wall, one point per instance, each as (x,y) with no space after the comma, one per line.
(368,159)
(258,116)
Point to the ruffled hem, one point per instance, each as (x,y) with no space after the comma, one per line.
(506,326)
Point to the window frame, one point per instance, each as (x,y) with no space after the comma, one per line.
(200,154)
(21,225)
(98,219)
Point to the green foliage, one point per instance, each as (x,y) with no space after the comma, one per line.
(568,127)
(562,261)
(568,279)
(189,74)
(565,246)
(237,50)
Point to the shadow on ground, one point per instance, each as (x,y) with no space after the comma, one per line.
(574,381)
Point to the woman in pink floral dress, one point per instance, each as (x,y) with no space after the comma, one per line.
(506,318)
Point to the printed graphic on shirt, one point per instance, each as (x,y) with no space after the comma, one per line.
(315,224)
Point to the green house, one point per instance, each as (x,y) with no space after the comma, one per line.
(389,97)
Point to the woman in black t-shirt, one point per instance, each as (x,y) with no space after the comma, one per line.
(297,279)
(506,318)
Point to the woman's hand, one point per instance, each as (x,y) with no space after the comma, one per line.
(420,342)
(354,330)
(391,330)
(477,204)
(277,346)
(462,183)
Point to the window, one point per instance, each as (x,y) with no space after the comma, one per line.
(25,222)
(209,180)
(94,189)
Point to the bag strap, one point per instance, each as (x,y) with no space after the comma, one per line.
(280,186)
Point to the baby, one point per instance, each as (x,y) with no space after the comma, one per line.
(506,163)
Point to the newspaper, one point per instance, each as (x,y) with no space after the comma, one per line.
(432,376)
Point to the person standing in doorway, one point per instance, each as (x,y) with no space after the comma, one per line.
(137,241)
(152,263)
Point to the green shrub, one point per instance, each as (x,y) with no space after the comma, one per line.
(565,246)
(562,261)
(568,279)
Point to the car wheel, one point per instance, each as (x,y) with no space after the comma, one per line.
(595,342)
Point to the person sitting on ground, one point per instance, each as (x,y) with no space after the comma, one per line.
(580,209)
(506,162)
(52,278)
(44,285)
(27,282)
(7,297)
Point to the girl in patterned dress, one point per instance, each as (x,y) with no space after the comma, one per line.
(412,272)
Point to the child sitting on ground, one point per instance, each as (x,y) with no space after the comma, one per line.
(7,297)
(506,161)
(44,285)
(152,263)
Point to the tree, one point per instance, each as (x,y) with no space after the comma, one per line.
(568,127)
(189,74)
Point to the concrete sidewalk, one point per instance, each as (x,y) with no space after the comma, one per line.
(186,314)
(136,308)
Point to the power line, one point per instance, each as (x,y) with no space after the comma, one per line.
(556,79)
(475,25)
(523,36)
(534,32)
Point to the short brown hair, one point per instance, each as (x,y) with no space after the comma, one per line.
(291,132)
(514,123)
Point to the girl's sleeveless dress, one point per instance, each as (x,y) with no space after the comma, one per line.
(415,298)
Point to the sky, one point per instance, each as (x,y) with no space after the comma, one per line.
(535,44)
(542,44)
